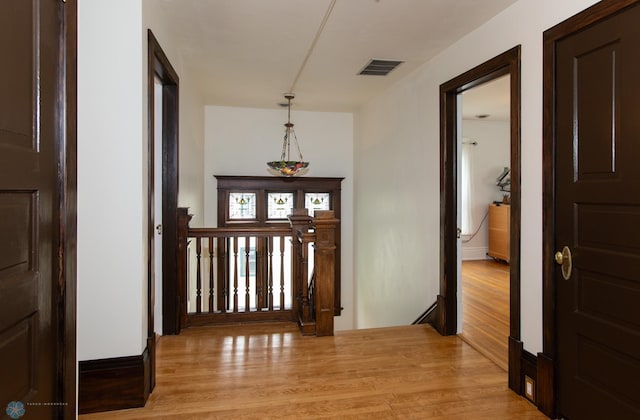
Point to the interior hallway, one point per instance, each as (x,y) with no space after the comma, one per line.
(485,313)
(271,371)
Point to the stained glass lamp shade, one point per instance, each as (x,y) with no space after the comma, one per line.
(286,166)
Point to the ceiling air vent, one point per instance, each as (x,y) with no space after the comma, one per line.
(379,67)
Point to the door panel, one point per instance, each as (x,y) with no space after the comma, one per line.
(598,218)
(29,126)
(17,85)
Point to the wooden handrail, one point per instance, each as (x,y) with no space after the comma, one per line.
(227,232)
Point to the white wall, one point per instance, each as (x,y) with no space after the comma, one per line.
(192,175)
(111,229)
(191,119)
(397,181)
(490,156)
(112,170)
(239,141)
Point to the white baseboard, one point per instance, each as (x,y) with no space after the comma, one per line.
(475,253)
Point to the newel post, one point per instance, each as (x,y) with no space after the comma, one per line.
(300,222)
(183,235)
(324,266)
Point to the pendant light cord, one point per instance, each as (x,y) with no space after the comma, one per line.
(313,44)
(288,132)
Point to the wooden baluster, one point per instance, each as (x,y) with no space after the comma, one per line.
(223,274)
(198,276)
(270,273)
(247,272)
(211,276)
(304,277)
(260,275)
(282,238)
(235,274)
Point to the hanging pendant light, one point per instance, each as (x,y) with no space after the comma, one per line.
(285,166)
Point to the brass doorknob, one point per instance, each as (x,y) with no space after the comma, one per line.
(559,257)
(564,259)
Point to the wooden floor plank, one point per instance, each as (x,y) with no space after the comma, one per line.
(271,371)
(485,309)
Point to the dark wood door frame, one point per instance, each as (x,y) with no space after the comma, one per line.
(159,65)
(547,360)
(505,63)
(65,286)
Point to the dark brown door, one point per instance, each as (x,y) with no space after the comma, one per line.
(29,130)
(598,219)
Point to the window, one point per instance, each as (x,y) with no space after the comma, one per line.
(466,212)
(242,205)
(317,201)
(247,256)
(280,205)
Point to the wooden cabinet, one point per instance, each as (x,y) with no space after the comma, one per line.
(499,231)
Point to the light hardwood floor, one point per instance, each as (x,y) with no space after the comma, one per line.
(271,371)
(485,309)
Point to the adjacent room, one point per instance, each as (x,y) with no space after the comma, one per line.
(485,160)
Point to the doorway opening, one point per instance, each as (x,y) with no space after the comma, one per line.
(162,176)
(484,156)
(449,303)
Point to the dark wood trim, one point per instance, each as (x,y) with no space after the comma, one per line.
(158,65)
(315,184)
(529,367)
(515,365)
(429,316)
(546,390)
(170,292)
(440,322)
(195,320)
(65,286)
(516,182)
(447,299)
(506,63)
(114,384)
(521,364)
(546,385)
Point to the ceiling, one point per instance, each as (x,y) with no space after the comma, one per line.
(491,99)
(248,52)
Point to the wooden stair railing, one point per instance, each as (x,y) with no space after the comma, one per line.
(243,275)
(315,317)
